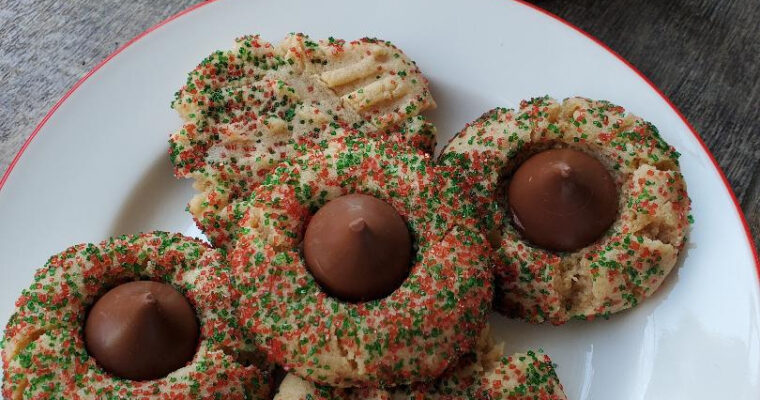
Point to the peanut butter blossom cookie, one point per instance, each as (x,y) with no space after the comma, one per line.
(247,108)
(380,213)
(585,204)
(483,374)
(160,326)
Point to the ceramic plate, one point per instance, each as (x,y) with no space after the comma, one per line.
(98,166)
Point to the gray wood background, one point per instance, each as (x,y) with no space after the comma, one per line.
(704,54)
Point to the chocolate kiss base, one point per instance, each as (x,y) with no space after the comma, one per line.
(141,330)
(562,199)
(358,248)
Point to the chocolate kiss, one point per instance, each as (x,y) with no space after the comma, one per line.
(141,330)
(358,248)
(562,199)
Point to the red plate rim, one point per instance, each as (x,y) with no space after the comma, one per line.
(739,211)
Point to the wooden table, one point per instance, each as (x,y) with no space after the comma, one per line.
(704,54)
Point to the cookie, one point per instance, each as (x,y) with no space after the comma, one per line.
(631,258)
(413,334)
(44,352)
(240,164)
(247,108)
(483,374)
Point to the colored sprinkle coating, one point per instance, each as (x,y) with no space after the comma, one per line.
(412,335)
(240,165)
(44,355)
(623,267)
(246,109)
(484,375)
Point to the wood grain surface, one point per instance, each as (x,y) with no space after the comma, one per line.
(703,54)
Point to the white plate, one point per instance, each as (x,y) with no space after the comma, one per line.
(99,167)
